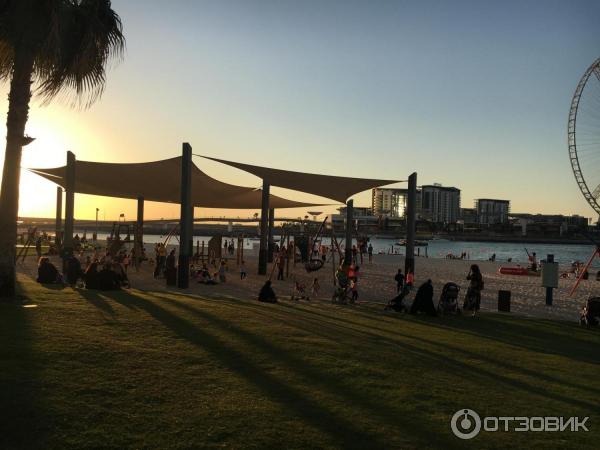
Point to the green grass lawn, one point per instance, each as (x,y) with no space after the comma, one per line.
(166,370)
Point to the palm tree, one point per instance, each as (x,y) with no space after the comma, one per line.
(52,45)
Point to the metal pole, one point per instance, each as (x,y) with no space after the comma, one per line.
(69,208)
(264,231)
(186,221)
(139,235)
(549,259)
(58,230)
(96,232)
(411,217)
(349,225)
(271,243)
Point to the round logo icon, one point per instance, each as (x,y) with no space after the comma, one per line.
(465,424)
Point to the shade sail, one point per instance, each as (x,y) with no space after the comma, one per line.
(328,186)
(159,181)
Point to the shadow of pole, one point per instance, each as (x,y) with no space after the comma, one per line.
(344,432)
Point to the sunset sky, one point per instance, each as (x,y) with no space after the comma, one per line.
(472,94)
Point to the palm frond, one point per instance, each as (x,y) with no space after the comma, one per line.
(83,37)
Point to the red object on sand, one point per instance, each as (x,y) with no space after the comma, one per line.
(514,271)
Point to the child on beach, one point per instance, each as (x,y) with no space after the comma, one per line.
(243,273)
(354,289)
(314,290)
(410,280)
(222,269)
(399,278)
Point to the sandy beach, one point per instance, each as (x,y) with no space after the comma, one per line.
(377,283)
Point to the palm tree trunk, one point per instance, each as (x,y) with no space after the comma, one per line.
(18,109)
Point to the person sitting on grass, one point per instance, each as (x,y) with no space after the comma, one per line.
(398,303)
(47,272)
(267,294)
(206,278)
(108,280)
(121,275)
(424,300)
(91,276)
(73,271)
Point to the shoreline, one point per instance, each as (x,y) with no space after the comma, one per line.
(377,285)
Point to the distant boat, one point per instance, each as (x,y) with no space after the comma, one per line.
(402,243)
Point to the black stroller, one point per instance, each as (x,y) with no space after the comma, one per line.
(448,303)
(590,313)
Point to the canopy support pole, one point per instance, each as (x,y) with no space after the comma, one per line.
(69,209)
(271,245)
(139,231)
(264,231)
(411,218)
(349,226)
(58,224)
(186,221)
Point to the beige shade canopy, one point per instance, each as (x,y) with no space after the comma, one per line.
(160,181)
(328,186)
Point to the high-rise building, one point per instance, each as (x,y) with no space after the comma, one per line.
(492,211)
(387,202)
(440,204)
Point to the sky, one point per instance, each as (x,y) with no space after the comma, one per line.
(471,94)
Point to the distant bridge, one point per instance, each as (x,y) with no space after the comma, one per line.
(32,221)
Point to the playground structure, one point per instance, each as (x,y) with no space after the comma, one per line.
(182,182)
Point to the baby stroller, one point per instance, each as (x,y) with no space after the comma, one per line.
(448,303)
(590,313)
(299,292)
(398,303)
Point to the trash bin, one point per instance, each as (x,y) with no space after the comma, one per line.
(504,301)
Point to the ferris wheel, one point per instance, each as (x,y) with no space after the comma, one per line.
(584,135)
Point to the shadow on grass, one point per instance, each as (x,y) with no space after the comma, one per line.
(343,327)
(554,338)
(97,299)
(494,377)
(340,388)
(344,432)
(23,422)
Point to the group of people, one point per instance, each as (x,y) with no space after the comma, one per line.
(204,275)
(101,275)
(423,301)
(228,247)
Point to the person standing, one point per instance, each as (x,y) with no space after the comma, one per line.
(280,264)
(399,278)
(38,246)
(533,262)
(370,251)
(410,280)
(314,291)
(243,273)
(222,270)
(171,269)
(473,295)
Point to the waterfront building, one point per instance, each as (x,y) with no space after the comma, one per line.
(440,204)
(468,215)
(492,211)
(391,203)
